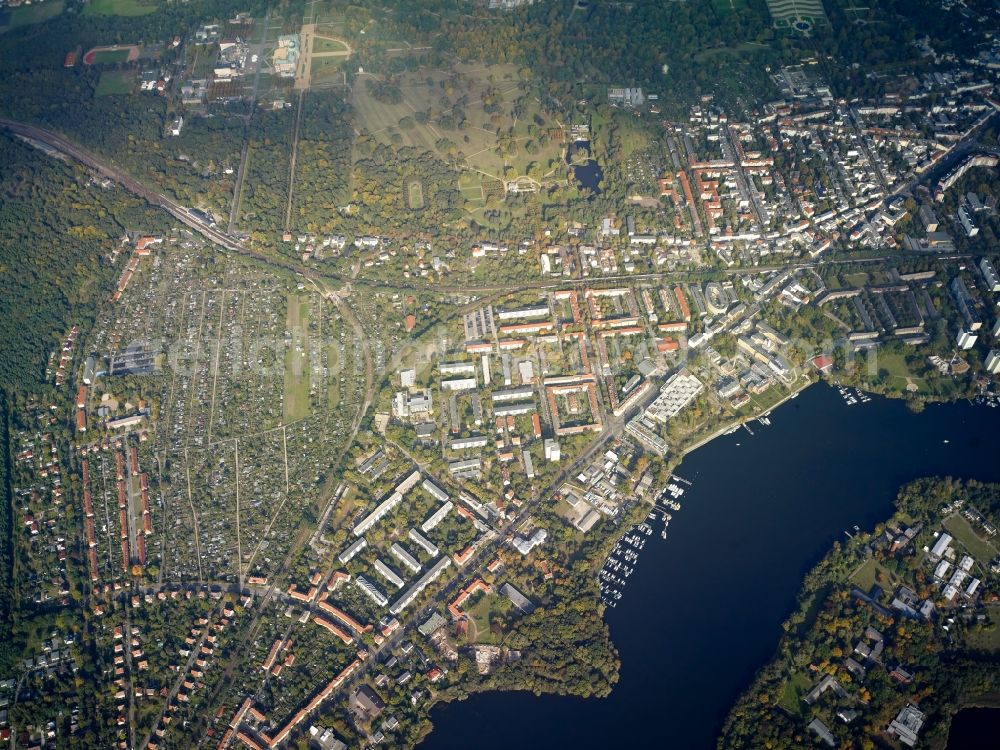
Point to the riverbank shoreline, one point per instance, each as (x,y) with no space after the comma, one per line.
(741,496)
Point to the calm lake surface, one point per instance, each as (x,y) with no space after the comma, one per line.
(702,612)
(975,729)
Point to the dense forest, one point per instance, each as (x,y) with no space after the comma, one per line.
(8,595)
(323,161)
(55,233)
(382,188)
(265,191)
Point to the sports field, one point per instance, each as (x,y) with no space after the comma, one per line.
(120,7)
(297,359)
(115,82)
(106,55)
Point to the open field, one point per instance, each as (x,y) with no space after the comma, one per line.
(120,8)
(297,359)
(987,638)
(468,117)
(871,573)
(26,15)
(736,50)
(791,696)
(979,548)
(326,69)
(115,82)
(895,365)
(324,44)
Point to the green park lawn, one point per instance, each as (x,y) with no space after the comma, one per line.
(296,361)
(120,8)
(26,15)
(115,82)
(321,44)
(980,549)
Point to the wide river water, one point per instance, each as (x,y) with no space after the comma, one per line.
(703,609)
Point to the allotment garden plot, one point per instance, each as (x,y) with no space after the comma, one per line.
(253,404)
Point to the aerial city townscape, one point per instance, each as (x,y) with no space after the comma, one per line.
(376,372)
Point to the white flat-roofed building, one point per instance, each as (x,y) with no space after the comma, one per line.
(418,404)
(524,546)
(470,467)
(966,339)
(381,511)
(941,545)
(457,368)
(437,516)
(434,491)
(513,410)
(386,506)
(415,590)
(553,451)
(408,378)
(680,390)
(644,431)
(389,574)
(992,363)
(990,274)
(424,543)
(463,444)
(371,590)
(405,557)
(524,313)
(348,554)
(459,384)
(513,394)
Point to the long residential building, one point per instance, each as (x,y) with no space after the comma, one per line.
(457,368)
(389,574)
(351,551)
(424,543)
(466,443)
(405,557)
(417,588)
(459,384)
(437,516)
(434,491)
(513,410)
(513,394)
(386,506)
(371,590)
(522,313)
